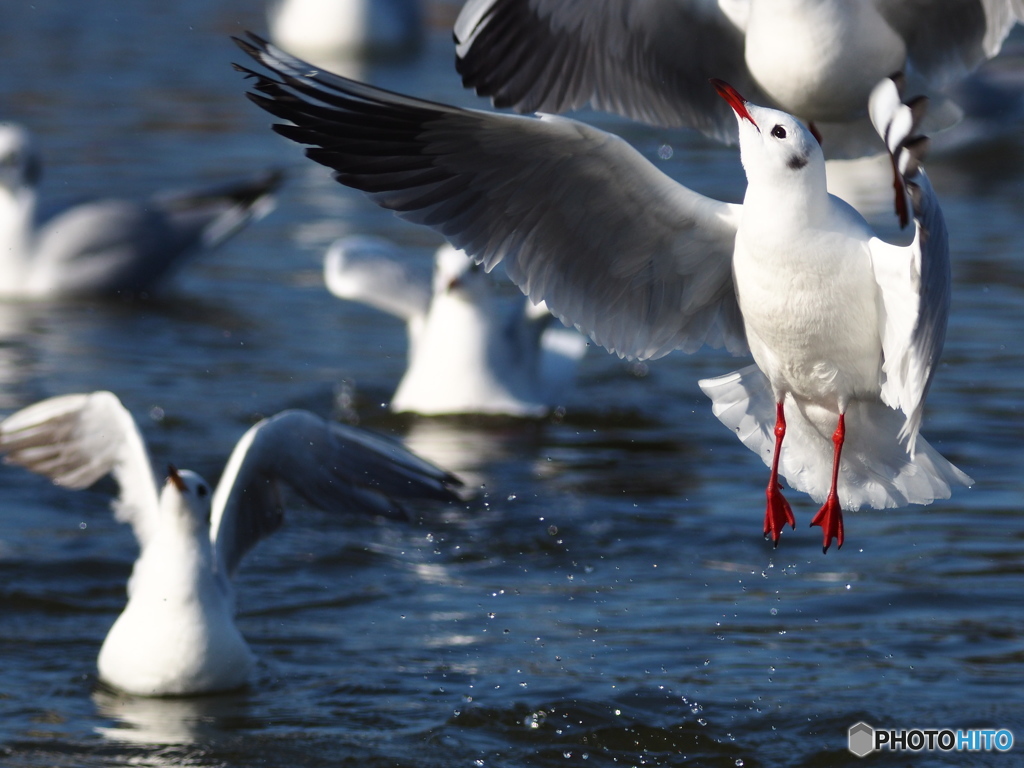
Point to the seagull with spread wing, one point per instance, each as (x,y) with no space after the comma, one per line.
(651,59)
(109,246)
(845,329)
(470,350)
(177,635)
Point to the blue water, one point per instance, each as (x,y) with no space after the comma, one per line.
(608,600)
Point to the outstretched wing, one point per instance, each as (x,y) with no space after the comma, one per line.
(646,59)
(946,39)
(364,269)
(333,466)
(75,440)
(914,281)
(581,219)
(115,246)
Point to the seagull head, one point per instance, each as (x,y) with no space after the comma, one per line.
(186,499)
(455,270)
(774,146)
(20,165)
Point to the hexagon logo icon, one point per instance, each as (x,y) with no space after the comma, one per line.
(861,739)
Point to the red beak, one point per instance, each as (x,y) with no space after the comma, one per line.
(175,478)
(732,96)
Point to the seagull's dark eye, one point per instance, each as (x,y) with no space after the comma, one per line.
(201,491)
(779,132)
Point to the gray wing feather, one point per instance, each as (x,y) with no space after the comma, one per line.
(646,59)
(361,268)
(946,39)
(332,466)
(124,246)
(75,440)
(580,218)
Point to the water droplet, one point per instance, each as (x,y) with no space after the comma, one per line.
(739,761)
(665,152)
(83,526)
(775,611)
(490,615)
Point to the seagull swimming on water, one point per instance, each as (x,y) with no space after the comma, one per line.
(109,246)
(339,29)
(845,329)
(177,635)
(651,60)
(470,350)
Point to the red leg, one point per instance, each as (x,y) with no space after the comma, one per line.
(778,512)
(830,516)
(902,213)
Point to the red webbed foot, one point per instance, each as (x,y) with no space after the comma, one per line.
(777,514)
(830,518)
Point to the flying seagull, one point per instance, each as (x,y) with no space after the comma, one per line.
(845,329)
(177,635)
(651,60)
(110,246)
(470,350)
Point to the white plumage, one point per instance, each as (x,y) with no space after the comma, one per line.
(839,322)
(470,349)
(177,636)
(109,246)
(651,60)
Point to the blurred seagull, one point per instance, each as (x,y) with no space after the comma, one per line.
(816,59)
(109,246)
(470,351)
(338,29)
(177,635)
(845,329)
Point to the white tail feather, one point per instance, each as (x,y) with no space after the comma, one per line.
(876,470)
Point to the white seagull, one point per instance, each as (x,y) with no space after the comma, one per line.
(340,29)
(845,329)
(651,60)
(109,246)
(177,635)
(470,350)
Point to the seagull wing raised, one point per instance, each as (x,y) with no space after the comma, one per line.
(365,269)
(115,246)
(646,59)
(333,466)
(914,281)
(77,439)
(946,39)
(580,218)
